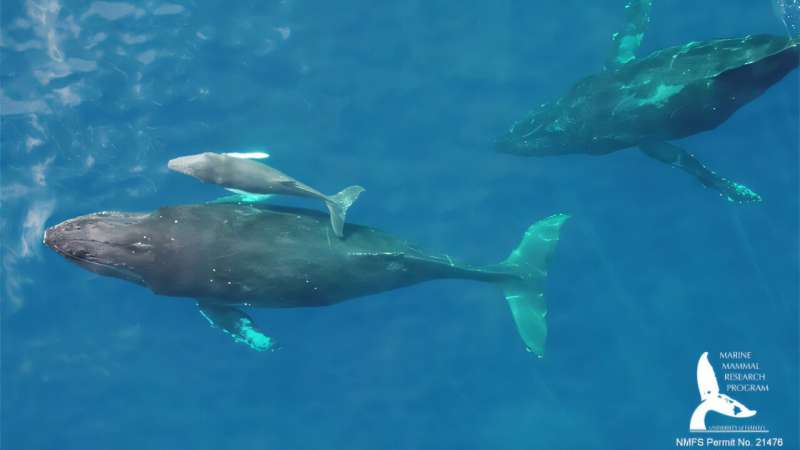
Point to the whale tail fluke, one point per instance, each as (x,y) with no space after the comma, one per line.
(338,204)
(525,290)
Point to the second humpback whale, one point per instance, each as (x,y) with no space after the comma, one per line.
(231,255)
(669,94)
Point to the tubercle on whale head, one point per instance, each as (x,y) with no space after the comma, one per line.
(106,243)
(530,145)
(542,133)
(201,166)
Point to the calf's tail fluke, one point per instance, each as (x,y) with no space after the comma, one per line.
(524,290)
(338,205)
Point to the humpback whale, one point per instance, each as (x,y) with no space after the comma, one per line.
(229,255)
(239,173)
(711,399)
(645,102)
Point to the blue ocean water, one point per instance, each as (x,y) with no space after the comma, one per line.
(404,98)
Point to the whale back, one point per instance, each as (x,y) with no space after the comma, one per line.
(701,61)
(278,257)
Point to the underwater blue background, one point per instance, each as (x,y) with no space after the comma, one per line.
(404,98)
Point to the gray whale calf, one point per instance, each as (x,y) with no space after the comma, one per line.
(243,174)
(669,94)
(231,255)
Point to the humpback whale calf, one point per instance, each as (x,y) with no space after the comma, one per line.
(239,173)
(229,255)
(669,94)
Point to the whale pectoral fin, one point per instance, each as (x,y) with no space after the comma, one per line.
(680,158)
(241,197)
(237,324)
(627,41)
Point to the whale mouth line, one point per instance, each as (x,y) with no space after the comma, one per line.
(89,261)
(89,264)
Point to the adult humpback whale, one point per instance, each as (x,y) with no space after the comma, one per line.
(231,255)
(669,94)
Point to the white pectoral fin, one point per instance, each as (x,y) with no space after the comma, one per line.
(248,155)
(237,325)
(706,378)
(242,197)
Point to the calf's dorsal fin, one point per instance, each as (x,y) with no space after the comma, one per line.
(627,41)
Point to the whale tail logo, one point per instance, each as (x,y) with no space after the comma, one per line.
(712,400)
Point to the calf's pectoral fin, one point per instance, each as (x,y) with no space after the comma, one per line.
(241,197)
(237,324)
(680,158)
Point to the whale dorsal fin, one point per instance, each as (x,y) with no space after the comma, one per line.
(627,41)
(706,378)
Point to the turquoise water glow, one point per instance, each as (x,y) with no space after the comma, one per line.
(404,98)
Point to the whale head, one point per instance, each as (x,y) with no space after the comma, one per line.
(542,133)
(106,243)
(204,166)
